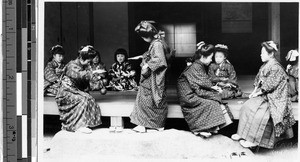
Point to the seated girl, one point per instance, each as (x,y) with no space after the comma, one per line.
(99,80)
(292,71)
(200,101)
(53,70)
(121,73)
(267,116)
(223,75)
(78,110)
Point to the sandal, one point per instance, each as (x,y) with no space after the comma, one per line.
(203,135)
(234,155)
(84,130)
(247,144)
(236,137)
(140,129)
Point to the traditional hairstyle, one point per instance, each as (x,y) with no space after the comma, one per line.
(57,49)
(292,56)
(87,52)
(204,50)
(146,29)
(121,51)
(222,48)
(270,46)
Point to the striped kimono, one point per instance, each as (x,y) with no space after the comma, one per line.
(77,108)
(268,118)
(52,74)
(225,70)
(150,108)
(200,104)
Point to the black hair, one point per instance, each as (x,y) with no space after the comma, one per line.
(57,49)
(223,50)
(89,54)
(205,51)
(146,29)
(121,51)
(268,47)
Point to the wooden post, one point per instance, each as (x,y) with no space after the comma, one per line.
(274,25)
(116,124)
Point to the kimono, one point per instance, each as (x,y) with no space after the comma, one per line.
(98,80)
(200,104)
(268,118)
(150,109)
(119,79)
(292,71)
(52,74)
(77,108)
(225,70)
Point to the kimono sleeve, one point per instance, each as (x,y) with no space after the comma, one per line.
(211,73)
(77,72)
(272,79)
(232,74)
(201,84)
(157,59)
(50,73)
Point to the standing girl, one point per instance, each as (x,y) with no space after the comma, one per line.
(53,70)
(267,116)
(223,75)
(292,71)
(78,109)
(150,110)
(200,101)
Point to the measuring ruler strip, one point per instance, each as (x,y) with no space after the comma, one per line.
(9,81)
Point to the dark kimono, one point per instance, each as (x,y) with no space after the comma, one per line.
(292,71)
(200,104)
(225,70)
(98,80)
(268,118)
(52,74)
(77,108)
(119,80)
(150,108)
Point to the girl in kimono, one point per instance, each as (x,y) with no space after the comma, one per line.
(121,73)
(223,75)
(200,101)
(292,71)
(99,80)
(267,116)
(150,110)
(53,70)
(78,109)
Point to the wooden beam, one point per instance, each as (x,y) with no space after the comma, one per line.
(274,25)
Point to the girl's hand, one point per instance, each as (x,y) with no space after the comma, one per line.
(99,71)
(145,66)
(219,89)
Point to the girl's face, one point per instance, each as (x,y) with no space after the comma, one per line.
(96,60)
(219,57)
(265,56)
(120,58)
(207,60)
(85,62)
(58,57)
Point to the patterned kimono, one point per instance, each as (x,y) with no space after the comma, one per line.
(200,104)
(225,70)
(292,71)
(77,108)
(119,81)
(97,81)
(150,108)
(52,74)
(268,118)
